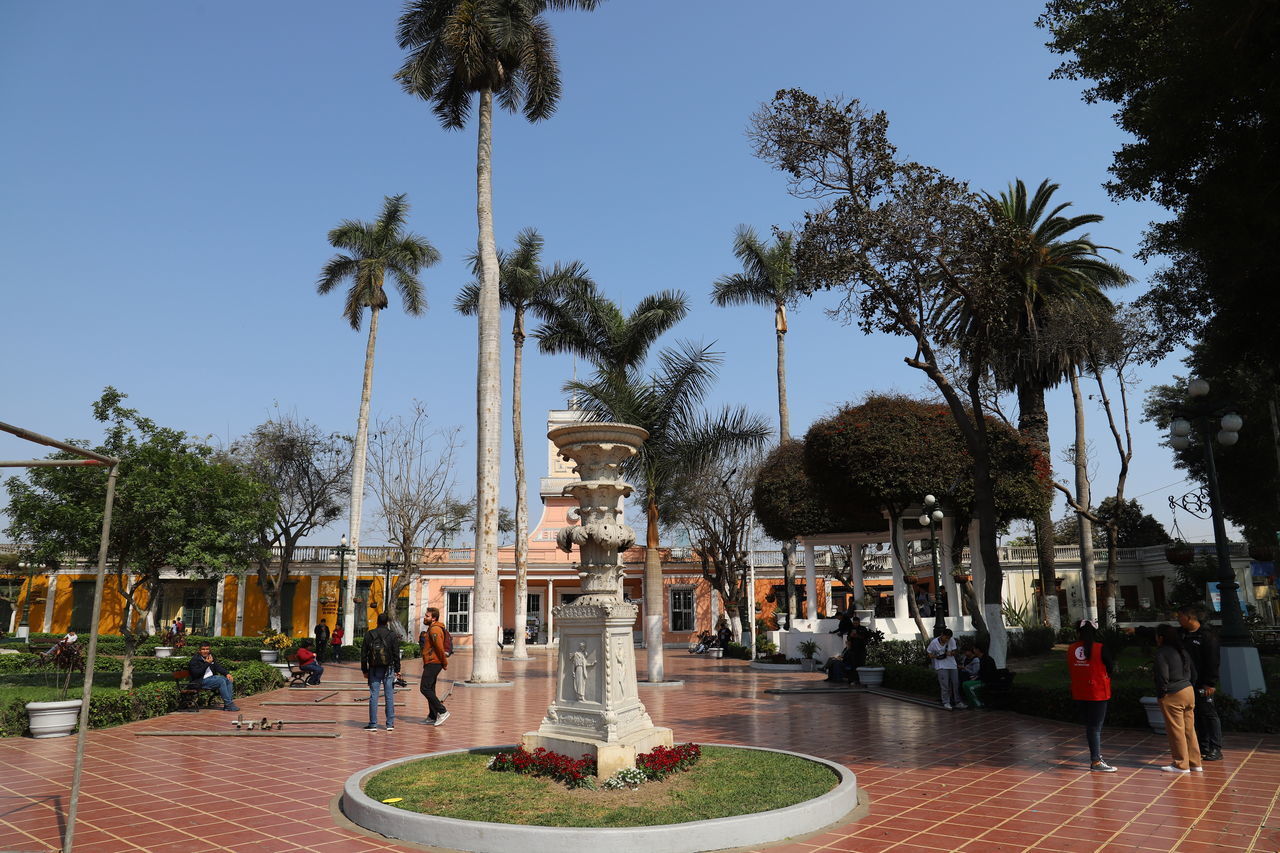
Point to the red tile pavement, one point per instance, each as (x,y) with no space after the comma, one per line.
(937,780)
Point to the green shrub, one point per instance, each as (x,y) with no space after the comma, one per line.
(910,679)
(737,650)
(897,653)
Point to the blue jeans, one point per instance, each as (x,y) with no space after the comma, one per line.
(220,683)
(382,678)
(315,670)
(1094,714)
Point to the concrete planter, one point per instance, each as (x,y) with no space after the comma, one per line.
(716,654)
(1155,717)
(283,669)
(268,655)
(808,665)
(749,830)
(871,676)
(53,719)
(164,651)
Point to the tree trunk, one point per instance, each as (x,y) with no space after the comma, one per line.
(653,595)
(1033,424)
(788,583)
(520,652)
(1088,573)
(269,583)
(358,454)
(784,415)
(484,605)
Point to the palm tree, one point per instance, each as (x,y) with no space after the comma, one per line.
(485,48)
(682,439)
(524,286)
(768,278)
(1046,269)
(592,326)
(374,250)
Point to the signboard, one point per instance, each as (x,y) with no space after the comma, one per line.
(1262,571)
(1215,598)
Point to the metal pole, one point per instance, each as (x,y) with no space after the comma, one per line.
(1234,632)
(938,622)
(86,694)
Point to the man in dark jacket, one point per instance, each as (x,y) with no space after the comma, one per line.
(322,639)
(380,663)
(212,676)
(1202,645)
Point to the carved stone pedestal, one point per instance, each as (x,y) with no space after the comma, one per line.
(597,711)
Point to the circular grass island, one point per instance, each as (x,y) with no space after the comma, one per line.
(733,796)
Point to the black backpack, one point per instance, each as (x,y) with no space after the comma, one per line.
(380,654)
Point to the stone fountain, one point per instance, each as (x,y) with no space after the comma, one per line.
(597,710)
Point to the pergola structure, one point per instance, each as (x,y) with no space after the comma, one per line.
(90,459)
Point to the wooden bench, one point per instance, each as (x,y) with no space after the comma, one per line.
(42,648)
(189,692)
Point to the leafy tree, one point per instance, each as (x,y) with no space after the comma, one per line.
(1195,88)
(683,439)
(1048,268)
(1134,528)
(460,50)
(375,250)
(902,241)
(307,474)
(526,287)
(176,506)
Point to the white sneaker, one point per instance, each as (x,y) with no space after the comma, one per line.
(1169,768)
(440,719)
(946,706)
(1101,766)
(1197,769)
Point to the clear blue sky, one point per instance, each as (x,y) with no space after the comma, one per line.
(170,171)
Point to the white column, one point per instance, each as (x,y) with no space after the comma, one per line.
(499,606)
(856,572)
(715,603)
(239,603)
(549,628)
(947,542)
(810,583)
(49,600)
(313,608)
(831,598)
(220,593)
(898,554)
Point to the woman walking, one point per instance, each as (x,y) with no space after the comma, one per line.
(1090,666)
(1175,676)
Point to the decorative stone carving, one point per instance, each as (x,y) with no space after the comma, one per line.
(597,709)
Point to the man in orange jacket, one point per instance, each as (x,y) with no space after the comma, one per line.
(434,662)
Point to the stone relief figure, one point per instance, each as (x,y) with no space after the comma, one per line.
(581,662)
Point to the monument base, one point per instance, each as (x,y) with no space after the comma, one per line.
(610,757)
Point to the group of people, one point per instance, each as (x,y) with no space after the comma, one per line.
(380,663)
(963,674)
(1185,668)
(844,666)
(328,641)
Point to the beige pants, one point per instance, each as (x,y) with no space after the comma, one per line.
(1180,724)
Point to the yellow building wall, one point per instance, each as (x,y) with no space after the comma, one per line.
(36,588)
(255,606)
(302,607)
(230,589)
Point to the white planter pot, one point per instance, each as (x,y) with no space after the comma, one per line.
(283,669)
(1155,717)
(53,719)
(164,651)
(268,655)
(22,632)
(871,676)
(716,653)
(808,665)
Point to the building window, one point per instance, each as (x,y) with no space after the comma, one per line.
(458,611)
(682,610)
(534,607)
(194,610)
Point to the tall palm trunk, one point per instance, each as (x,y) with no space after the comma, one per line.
(1088,573)
(484,628)
(784,416)
(653,594)
(522,509)
(358,454)
(1033,423)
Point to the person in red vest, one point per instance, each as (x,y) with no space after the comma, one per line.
(1090,666)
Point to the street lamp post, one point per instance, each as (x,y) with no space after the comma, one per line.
(1241,670)
(386,585)
(930,518)
(342,551)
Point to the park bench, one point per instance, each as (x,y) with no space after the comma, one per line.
(41,647)
(189,692)
(297,678)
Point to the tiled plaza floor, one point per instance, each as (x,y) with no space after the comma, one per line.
(937,781)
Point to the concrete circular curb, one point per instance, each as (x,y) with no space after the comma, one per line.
(482,837)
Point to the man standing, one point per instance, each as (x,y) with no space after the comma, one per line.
(942,651)
(1202,645)
(212,676)
(435,660)
(845,625)
(380,663)
(858,639)
(322,639)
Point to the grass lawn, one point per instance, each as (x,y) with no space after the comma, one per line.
(723,783)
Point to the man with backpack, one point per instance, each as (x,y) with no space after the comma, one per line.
(380,663)
(436,646)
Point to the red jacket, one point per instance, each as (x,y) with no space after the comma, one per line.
(306,656)
(1089,679)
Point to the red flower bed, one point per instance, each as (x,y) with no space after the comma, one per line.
(662,762)
(573,772)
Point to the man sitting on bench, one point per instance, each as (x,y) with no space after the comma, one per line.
(212,675)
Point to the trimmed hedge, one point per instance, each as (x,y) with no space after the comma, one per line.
(111,706)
